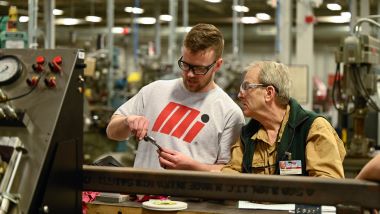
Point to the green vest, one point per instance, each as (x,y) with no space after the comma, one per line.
(293,139)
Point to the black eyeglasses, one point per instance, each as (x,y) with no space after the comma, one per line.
(196,69)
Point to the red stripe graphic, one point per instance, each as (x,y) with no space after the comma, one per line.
(178,132)
(174,119)
(174,114)
(193,131)
(163,115)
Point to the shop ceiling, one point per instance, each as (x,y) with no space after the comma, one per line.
(199,10)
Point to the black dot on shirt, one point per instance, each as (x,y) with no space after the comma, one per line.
(205,118)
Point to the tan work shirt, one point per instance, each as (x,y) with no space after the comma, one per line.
(325,151)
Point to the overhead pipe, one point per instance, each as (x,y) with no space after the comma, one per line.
(50,26)
(32,24)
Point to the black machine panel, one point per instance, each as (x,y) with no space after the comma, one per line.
(41,130)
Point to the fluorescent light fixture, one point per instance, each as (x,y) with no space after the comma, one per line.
(240,8)
(183,29)
(346,15)
(214,1)
(117,30)
(146,20)
(23,19)
(57,12)
(93,18)
(263,16)
(4,3)
(166,18)
(67,21)
(333,19)
(134,10)
(249,20)
(334,6)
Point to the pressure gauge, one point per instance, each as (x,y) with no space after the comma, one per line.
(10,69)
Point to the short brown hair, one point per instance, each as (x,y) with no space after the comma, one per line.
(204,36)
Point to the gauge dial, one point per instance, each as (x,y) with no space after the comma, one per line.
(10,69)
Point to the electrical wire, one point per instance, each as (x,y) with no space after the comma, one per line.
(23,95)
(335,82)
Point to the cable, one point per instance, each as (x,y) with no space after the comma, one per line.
(23,95)
(334,87)
(19,96)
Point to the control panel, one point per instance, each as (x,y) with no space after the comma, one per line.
(41,130)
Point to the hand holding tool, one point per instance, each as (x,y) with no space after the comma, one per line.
(152,140)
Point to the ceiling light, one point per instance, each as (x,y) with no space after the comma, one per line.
(67,21)
(166,18)
(57,12)
(146,20)
(117,30)
(333,19)
(23,19)
(263,16)
(134,10)
(240,8)
(334,6)
(4,3)
(93,18)
(214,1)
(249,20)
(346,15)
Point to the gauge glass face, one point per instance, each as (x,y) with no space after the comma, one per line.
(9,69)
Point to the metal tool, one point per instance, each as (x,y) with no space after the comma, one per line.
(152,140)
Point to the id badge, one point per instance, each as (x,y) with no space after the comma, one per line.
(290,167)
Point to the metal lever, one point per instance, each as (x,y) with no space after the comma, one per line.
(152,140)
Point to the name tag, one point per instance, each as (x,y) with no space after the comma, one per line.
(290,167)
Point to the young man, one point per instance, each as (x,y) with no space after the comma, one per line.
(282,137)
(192,118)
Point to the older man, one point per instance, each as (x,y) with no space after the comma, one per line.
(282,137)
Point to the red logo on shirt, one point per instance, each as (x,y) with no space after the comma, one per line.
(175,119)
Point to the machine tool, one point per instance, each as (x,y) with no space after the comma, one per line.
(352,93)
(41,130)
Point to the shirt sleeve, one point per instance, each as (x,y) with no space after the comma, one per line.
(235,164)
(229,136)
(325,151)
(134,106)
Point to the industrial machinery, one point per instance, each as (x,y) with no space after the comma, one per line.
(352,92)
(41,130)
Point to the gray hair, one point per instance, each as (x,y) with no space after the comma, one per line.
(275,74)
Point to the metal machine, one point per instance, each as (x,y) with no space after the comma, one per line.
(41,130)
(352,92)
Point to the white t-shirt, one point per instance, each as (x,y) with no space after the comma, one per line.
(200,125)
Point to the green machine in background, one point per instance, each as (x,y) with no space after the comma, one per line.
(10,37)
(14,40)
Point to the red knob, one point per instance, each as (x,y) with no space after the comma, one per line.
(40,60)
(51,82)
(32,81)
(58,60)
(38,67)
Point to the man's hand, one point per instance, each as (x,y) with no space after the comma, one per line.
(171,159)
(138,125)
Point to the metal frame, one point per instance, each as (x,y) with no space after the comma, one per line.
(211,185)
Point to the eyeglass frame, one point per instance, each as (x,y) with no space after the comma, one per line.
(192,67)
(255,85)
